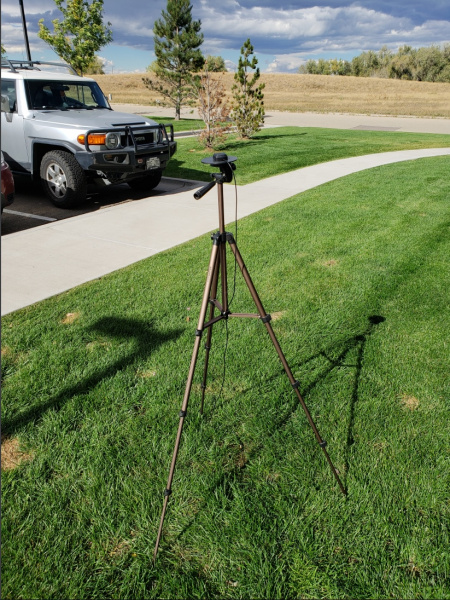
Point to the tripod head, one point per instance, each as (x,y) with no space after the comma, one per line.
(226,166)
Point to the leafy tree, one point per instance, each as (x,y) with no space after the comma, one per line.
(429,63)
(3,51)
(309,68)
(422,64)
(178,55)
(215,64)
(385,57)
(326,67)
(213,108)
(96,67)
(403,64)
(444,74)
(366,64)
(248,105)
(80,34)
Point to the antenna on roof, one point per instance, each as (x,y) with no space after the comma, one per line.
(25,33)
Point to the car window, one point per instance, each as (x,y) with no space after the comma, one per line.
(64,94)
(9,90)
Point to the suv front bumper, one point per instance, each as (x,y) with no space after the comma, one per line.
(135,159)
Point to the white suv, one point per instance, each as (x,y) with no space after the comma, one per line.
(59,128)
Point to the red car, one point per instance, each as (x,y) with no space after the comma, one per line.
(7,184)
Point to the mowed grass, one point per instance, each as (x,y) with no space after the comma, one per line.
(283,149)
(182,125)
(356,276)
(312,93)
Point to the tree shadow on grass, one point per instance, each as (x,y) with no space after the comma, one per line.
(147,340)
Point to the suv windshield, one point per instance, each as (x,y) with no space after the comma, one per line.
(63,95)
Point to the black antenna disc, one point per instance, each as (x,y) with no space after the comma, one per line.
(219,158)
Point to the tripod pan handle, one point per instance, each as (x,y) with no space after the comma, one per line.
(204,190)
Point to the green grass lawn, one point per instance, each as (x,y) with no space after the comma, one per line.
(182,125)
(283,149)
(356,273)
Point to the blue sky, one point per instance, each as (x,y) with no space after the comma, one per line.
(284,34)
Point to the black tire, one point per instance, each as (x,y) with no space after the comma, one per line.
(63,179)
(147,183)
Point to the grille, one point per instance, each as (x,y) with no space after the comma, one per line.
(142,138)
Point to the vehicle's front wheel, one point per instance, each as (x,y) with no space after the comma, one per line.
(147,183)
(63,179)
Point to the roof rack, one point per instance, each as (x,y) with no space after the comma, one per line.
(15,65)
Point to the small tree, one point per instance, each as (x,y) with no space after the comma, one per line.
(214,109)
(96,67)
(80,34)
(178,56)
(215,64)
(248,106)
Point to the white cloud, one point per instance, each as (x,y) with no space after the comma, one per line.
(285,63)
(280,27)
(280,31)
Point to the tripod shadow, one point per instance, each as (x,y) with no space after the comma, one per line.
(146,338)
(357,342)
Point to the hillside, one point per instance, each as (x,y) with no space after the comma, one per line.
(317,93)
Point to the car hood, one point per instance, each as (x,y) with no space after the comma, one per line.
(90,119)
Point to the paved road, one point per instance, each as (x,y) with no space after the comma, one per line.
(332,120)
(32,208)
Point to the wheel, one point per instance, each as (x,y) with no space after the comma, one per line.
(147,183)
(63,179)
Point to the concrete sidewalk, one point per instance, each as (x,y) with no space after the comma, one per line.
(47,260)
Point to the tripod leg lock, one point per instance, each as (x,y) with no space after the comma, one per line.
(182,414)
(198,332)
(322,444)
(167,492)
(219,238)
(296,385)
(266,319)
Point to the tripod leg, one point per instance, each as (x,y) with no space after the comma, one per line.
(213,297)
(295,384)
(206,295)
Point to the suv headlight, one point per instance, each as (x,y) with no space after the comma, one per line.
(112,141)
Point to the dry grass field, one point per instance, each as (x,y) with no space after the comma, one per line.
(315,93)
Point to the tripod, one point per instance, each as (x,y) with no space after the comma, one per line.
(218,268)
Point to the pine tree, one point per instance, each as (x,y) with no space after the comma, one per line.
(178,55)
(79,35)
(248,105)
